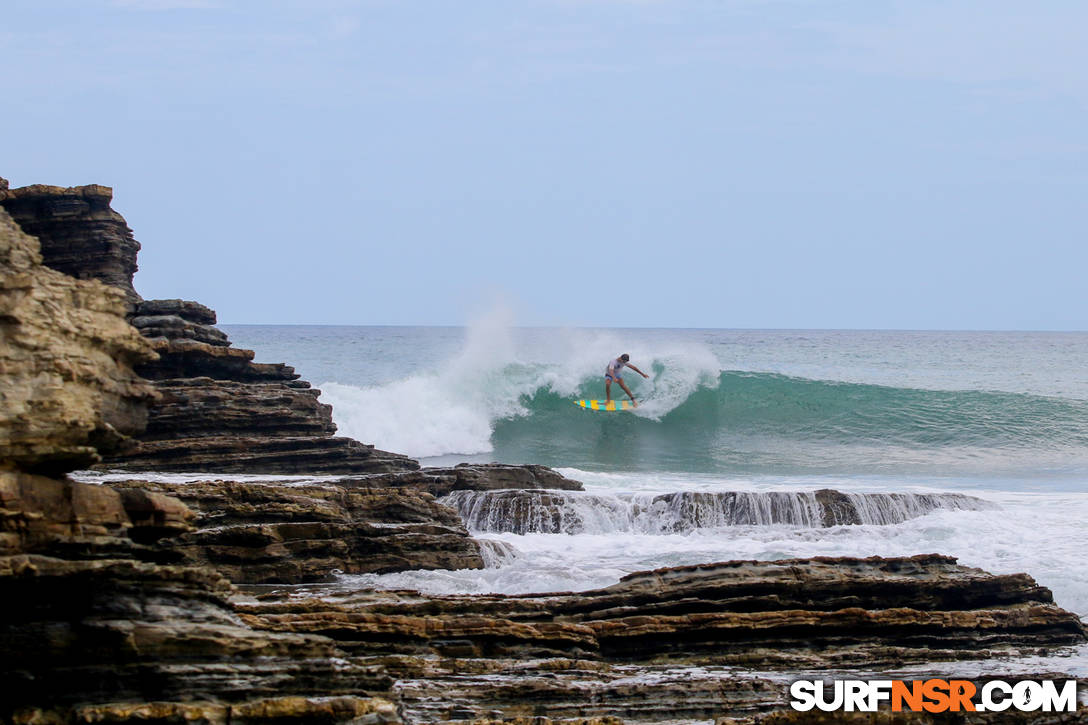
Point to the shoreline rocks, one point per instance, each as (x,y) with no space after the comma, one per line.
(283,533)
(689,643)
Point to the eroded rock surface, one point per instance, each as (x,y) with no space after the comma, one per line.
(102,623)
(273,532)
(819,611)
(80,234)
(220,412)
(669,642)
(66,354)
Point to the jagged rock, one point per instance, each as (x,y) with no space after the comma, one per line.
(39,514)
(884,717)
(80,234)
(154,516)
(284,533)
(578,691)
(343,709)
(67,355)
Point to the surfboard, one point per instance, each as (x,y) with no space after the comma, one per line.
(602,405)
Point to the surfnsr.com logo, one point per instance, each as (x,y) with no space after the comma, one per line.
(934,695)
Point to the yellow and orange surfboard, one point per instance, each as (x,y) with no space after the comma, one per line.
(602,405)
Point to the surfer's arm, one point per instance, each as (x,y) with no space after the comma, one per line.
(637,370)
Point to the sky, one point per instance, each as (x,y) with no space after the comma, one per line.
(913,164)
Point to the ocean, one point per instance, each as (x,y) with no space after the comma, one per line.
(973,444)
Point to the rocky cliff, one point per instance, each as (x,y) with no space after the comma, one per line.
(102,623)
(219,411)
(67,354)
(216,410)
(80,234)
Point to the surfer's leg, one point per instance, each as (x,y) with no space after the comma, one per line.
(607,388)
(625,388)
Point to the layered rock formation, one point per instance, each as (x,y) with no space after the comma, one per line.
(269,532)
(625,648)
(66,354)
(283,532)
(96,627)
(100,621)
(218,410)
(80,234)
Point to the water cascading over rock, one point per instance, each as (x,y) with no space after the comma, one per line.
(557,512)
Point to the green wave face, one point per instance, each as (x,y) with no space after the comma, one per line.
(774,424)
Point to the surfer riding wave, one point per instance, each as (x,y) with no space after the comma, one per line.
(613,374)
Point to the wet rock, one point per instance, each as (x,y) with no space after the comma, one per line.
(493,476)
(675,644)
(819,612)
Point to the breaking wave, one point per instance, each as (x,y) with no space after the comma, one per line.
(490,400)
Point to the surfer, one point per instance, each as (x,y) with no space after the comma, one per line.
(613,374)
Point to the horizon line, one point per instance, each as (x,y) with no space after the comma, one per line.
(652,327)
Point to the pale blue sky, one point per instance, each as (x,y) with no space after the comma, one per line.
(782,163)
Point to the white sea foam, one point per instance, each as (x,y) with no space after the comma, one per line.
(1042,534)
(577,512)
(115,475)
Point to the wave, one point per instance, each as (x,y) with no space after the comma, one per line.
(696,417)
(562,512)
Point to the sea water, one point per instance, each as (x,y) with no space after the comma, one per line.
(998,416)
